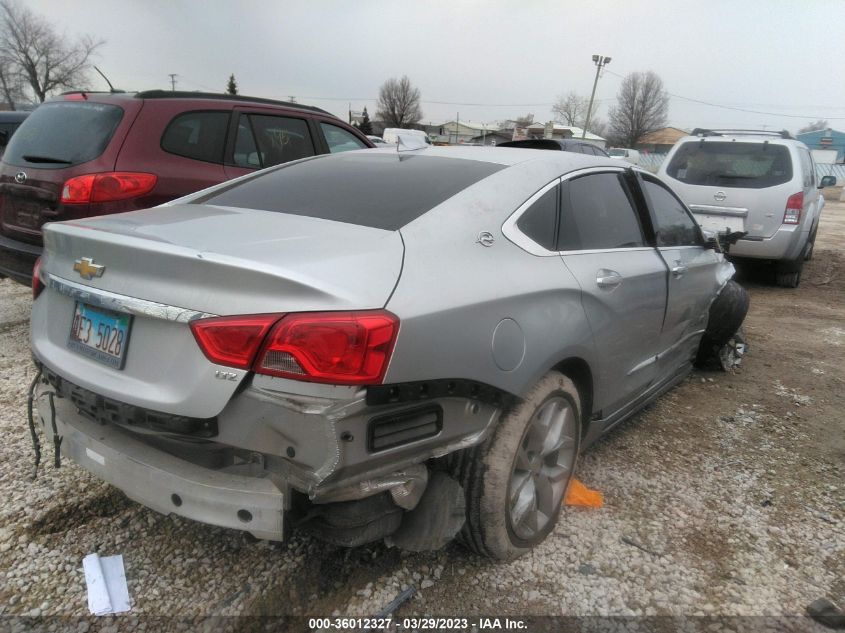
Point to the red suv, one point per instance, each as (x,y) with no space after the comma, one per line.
(85,153)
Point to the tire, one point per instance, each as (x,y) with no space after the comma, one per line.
(811,244)
(788,280)
(727,313)
(514,495)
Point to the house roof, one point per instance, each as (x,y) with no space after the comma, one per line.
(576,131)
(663,136)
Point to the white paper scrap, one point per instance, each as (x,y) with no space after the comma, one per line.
(106,580)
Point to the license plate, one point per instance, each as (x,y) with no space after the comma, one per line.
(100,334)
(720,223)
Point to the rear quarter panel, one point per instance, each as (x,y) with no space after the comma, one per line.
(454,293)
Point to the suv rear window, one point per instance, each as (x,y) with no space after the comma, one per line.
(63,133)
(197,135)
(731,164)
(383,191)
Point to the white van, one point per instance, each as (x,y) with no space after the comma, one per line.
(391,135)
(623,153)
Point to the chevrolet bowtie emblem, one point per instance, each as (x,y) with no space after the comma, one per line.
(87,269)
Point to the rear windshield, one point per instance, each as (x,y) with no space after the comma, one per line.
(379,190)
(63,133)
(731,164)
(617,152)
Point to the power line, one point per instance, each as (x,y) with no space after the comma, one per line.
(718,105)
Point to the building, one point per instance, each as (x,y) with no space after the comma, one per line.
(660,141)
(828,139)
(560,131)
(463,131)
(492,138)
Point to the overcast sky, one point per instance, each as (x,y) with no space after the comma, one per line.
(487,60)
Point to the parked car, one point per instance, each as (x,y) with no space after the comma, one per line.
(624,153)
(377,140)
(373,347)
(83,154)
(762,183)
(566,145)
(391,135)
(9,122)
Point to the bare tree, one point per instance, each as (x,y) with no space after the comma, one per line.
(44,59)
(572,109)
(398,103)
(821,124)
(641,107)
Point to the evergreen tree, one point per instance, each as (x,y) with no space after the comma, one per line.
(365,126)
(232,86)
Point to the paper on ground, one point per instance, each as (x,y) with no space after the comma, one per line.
(106,580)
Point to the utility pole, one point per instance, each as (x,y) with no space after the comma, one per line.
(600,63)
(173,77)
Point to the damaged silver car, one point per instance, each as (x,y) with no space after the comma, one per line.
(400,345)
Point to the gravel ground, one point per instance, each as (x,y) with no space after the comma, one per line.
(724,498)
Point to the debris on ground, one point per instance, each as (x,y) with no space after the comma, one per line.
(825,612)
(106,581)
(577,494)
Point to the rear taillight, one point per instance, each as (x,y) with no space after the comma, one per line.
(37,284)
(232,341)
(794,205)
(341,348)
(106,187)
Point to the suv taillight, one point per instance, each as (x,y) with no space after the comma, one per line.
(341,348)
(794,205)
(37,284)
(107,186)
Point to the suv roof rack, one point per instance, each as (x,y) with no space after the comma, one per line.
(700,131)
(186,94)
(92,92)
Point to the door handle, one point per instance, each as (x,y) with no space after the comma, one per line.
(678,269)
(608,278)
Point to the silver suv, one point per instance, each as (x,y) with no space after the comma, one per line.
(761,183)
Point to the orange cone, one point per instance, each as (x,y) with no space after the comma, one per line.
(577,494)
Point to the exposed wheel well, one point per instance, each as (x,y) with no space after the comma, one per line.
(579,372)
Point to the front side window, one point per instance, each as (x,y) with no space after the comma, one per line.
(197,135)
(598,212)
(340,140)
(673,225)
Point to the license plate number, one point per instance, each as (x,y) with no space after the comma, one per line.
(100,334)
(719,223)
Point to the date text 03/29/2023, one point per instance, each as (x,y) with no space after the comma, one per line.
(416,624)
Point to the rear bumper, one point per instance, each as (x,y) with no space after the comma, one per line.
(17,259)
(786,244)
(163,482)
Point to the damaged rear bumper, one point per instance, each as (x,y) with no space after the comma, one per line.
(164,482)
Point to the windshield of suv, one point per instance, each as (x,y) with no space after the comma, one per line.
(731,164)
(63,133)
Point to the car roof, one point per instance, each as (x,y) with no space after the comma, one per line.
(508,156)
(119,96)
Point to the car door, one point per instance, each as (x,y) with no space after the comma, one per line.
(263,140)
(622,281)
(690,272)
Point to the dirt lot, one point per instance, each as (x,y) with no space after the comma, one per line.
(725,497)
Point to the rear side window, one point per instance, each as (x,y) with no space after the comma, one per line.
(731,164)
(384,191)
(63,133)
(672,224)
(340,140)
(265,140)
(197,135)
(540,221)
(598,213)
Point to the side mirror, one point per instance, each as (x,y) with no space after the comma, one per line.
(827,181)
(711,239)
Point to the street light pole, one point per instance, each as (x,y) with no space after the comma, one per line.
(600,63)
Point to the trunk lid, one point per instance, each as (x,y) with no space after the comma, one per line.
(223,260)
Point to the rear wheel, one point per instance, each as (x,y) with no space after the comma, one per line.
(516,480)
(788,279)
